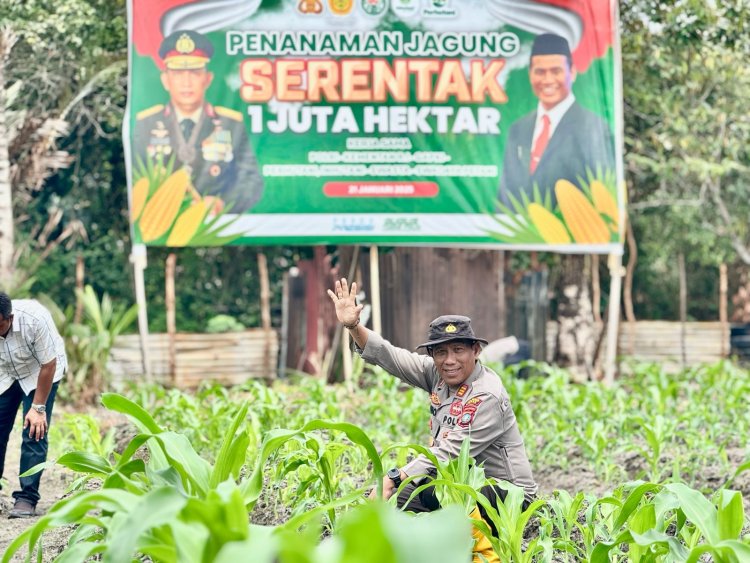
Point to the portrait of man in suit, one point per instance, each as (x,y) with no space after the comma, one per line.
(558,140)
(209,141)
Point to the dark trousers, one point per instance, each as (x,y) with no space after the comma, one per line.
(426,500)
(32,452)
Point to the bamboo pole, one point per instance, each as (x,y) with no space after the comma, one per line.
(284,332)
(138,259)
(723,316)
(337,335)
(613,315)
(265,313)
(683,306)
(169,301)
(377,324)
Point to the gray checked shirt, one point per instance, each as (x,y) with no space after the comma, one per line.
(33,341)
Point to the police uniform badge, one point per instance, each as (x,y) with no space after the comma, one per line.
(217,147)
(159,143)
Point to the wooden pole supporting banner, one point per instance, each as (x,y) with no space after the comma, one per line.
(169,300)
(346,360)
(138,259)
(265,314)
(377,323)
(723,316)
(616,271)
(338,333)
(683,306)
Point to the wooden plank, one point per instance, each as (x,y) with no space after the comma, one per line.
(661,341)
(230,358)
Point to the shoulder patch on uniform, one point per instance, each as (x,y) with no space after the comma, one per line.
(149,111)
(230,113)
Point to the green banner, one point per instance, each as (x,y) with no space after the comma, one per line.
(420,122)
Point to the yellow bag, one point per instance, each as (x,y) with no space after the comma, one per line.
(482,545)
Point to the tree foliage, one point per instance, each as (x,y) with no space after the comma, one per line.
(685,85)
(687,125)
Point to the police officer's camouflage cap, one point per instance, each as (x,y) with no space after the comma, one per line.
(450,327)
(185,49)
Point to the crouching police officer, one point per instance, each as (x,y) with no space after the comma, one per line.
(467,400)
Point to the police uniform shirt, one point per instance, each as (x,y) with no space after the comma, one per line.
(32,341)
(222,163)
(479,409)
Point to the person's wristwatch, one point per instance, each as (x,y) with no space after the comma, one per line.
(41,409)
(395,476)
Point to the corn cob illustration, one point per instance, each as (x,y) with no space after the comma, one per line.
(582,220)
(162,209)
(140,194)
(604,203)
(550,227)
(187,224)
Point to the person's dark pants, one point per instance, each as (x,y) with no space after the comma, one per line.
(427,501)
(32,452)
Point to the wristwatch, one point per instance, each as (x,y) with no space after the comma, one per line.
(395,476)
(41,409)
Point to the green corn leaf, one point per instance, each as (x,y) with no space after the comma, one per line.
(251,487)
(263,543)
(632,502)
(643,521)
(378,533)
(70,511)
(731,515)
(193,469)
(655,539)
(191,540)
(81,551)
(300,520)
(136,413)
(84,462)
(600,553)
(231,452)
(160,506)
(731,551)
(698,510)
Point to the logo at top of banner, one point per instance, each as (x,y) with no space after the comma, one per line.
(374,7)
(341,7)
(307,7)
(439,9)
(405,7)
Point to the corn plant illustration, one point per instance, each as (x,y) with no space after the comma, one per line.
(166,209)
(586,213)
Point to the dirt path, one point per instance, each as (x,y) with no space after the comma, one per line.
(53,486)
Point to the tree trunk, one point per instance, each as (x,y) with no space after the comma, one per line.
(575,337)
(6,201)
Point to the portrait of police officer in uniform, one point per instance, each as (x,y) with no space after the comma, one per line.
(209,141)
